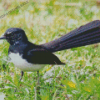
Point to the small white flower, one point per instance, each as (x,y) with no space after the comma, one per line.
(1,41)
(94,9)
(72,22)
(77,12)
(27,90)
(69,95)
(49,80)
(2,96)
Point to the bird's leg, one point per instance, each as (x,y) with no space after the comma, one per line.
(22,73)
(38,81)
(38,87)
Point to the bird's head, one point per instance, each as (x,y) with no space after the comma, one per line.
(14,35)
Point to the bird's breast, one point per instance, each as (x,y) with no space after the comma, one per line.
(21,63)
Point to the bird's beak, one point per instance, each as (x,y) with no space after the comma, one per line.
(2,37)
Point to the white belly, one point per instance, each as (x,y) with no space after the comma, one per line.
(23,64)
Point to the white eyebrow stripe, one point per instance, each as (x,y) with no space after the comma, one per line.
(8,32)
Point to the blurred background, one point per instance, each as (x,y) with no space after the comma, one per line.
(43,21)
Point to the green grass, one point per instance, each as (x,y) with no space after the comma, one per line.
(44,21)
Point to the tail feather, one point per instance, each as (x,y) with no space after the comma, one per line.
(84,35)
(82,40)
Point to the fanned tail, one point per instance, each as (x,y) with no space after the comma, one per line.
(84,35)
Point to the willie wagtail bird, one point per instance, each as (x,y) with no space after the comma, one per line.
(31,57)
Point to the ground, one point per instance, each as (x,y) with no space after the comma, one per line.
(43,21)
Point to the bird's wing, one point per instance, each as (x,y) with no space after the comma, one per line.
(41,56)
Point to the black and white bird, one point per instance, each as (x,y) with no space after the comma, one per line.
(31,57)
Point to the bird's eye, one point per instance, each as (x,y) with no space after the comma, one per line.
(12,36)
(19,35)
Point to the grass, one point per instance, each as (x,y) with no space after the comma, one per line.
(44,21)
